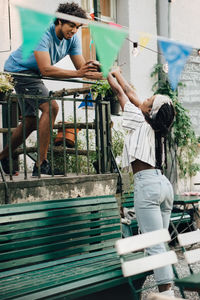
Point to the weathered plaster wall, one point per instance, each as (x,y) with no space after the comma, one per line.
(59,188)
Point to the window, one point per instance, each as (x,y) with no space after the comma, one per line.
(5,26)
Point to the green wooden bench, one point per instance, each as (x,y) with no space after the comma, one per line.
(59,249)
(177,219)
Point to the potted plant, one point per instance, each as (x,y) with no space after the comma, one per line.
(103,89)
(75,163)
(6,85)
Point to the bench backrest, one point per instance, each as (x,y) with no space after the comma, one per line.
(36,232)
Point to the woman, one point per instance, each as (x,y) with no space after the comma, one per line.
(148,123)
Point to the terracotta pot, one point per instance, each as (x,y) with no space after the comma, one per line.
(69,137)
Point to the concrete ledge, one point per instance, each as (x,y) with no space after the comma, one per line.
(59,188)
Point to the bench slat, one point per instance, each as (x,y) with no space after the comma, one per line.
(91,255)
(58,220)
(51,204)
(56,238)
(52,213)
(55,229)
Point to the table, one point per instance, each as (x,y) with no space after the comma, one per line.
(187,200)
(188,207)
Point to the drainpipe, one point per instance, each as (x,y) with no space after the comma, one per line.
(164,29)
(163,21)
(169,18)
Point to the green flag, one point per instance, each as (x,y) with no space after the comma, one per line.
(108,41)
(33,24)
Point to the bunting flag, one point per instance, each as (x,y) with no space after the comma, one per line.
(33,24)
(108,41)
(176,55)
(114,24)
(89,104)
(144,39)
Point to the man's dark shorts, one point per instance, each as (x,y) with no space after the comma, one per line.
(30,86)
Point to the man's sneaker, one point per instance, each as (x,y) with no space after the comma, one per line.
(45,169)
(5,167)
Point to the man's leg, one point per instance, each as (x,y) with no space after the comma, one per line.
(17,135)
(44,127)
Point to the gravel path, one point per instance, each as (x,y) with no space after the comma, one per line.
(182,270)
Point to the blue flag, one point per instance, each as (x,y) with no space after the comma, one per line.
(89,104)
(176,55)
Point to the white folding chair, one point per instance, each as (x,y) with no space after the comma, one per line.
(132,265)
(192,281)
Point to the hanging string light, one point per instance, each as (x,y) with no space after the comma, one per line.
(165,68)
(135,50)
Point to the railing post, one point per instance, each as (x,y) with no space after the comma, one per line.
(24,136)
(9,138)
(64,140)
(97,134)
(75,132)
(109,138)
(51,137)
(38,136)
(13,121)
(104,136)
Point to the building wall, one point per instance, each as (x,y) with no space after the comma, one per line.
(185,28)
(139,16)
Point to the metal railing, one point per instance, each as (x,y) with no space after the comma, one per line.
(97,156)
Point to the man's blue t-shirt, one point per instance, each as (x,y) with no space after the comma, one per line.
(57,49)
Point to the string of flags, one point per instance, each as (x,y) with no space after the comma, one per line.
(108,39)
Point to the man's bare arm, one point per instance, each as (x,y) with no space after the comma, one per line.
(46,69)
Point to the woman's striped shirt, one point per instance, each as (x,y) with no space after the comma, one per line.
(140,140)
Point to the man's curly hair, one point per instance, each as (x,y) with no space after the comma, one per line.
(71,9)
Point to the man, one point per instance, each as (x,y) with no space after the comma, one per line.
(58,41)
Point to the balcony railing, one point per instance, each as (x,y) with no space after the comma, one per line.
(96,155)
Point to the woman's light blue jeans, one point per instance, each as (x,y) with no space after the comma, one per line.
(153,201)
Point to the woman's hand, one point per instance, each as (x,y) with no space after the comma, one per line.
(115,71)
